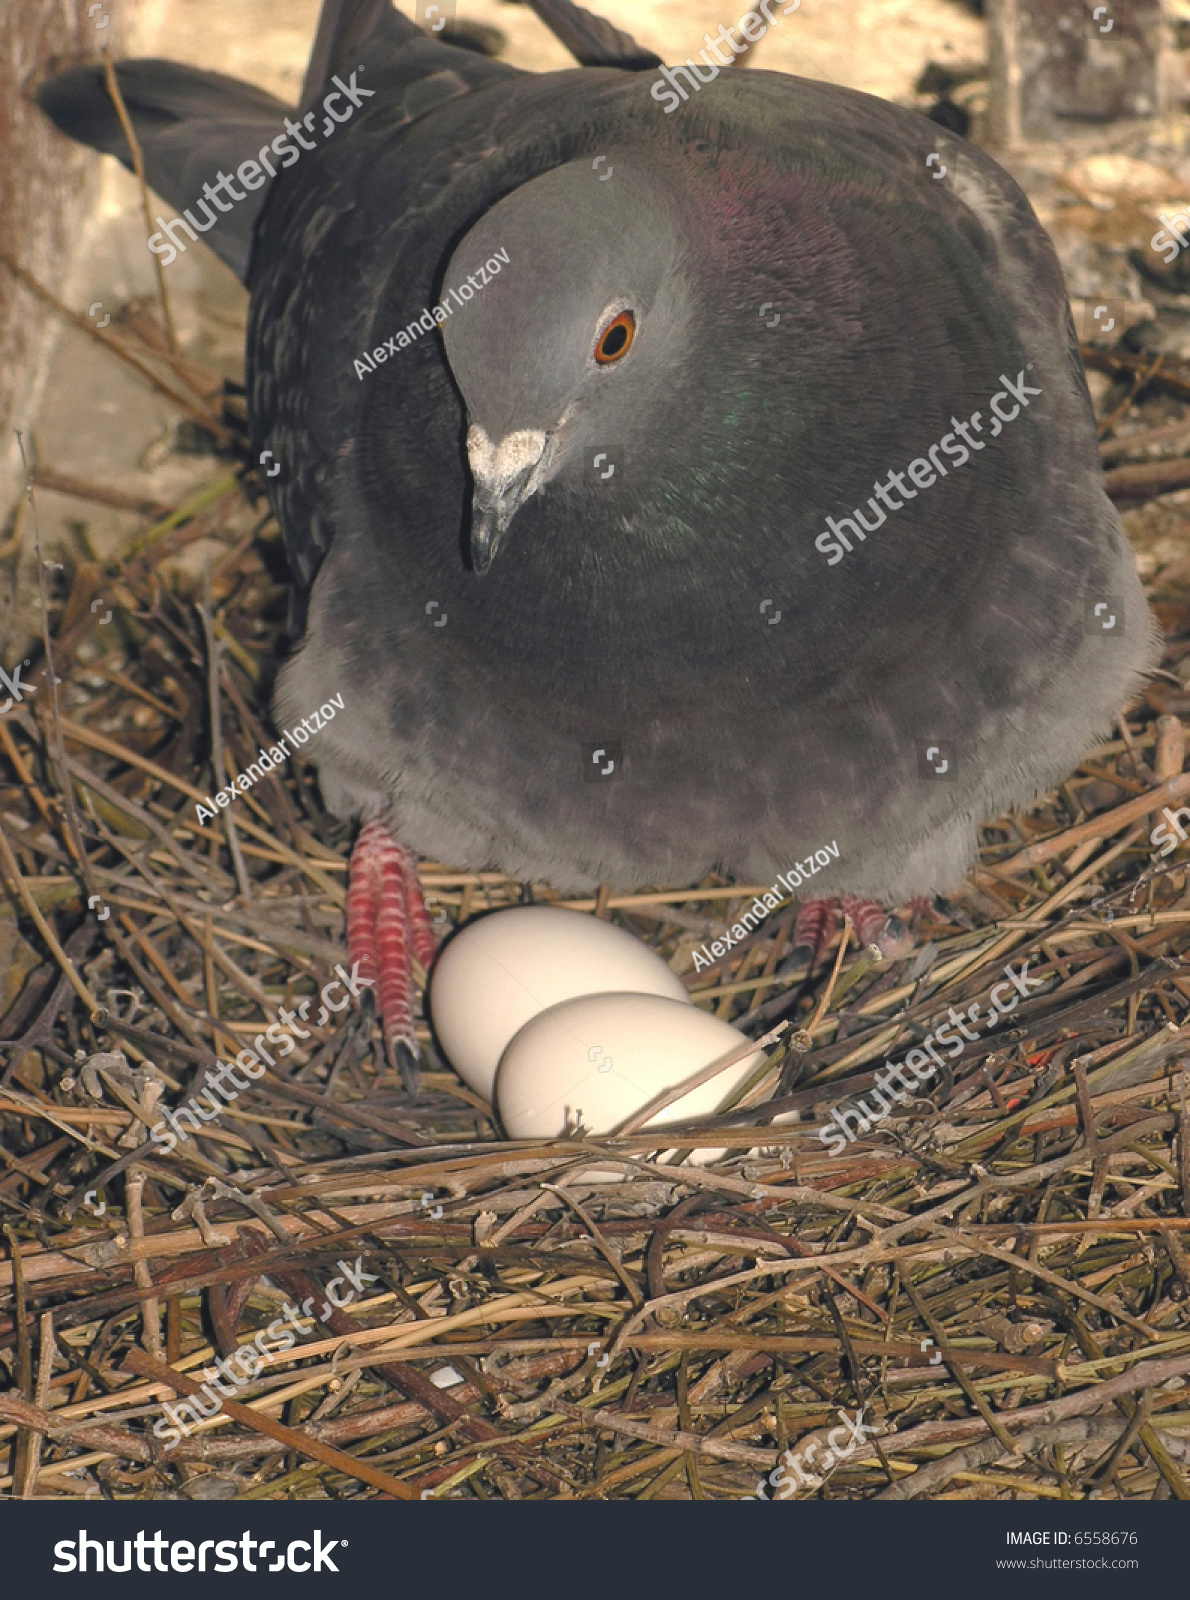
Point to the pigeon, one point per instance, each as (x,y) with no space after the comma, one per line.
(678,470)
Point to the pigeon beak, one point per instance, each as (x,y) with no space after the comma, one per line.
(505,475)
(486,533)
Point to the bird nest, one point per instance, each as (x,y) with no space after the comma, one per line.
(983,1292)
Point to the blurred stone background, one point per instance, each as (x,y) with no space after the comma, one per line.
(72,220)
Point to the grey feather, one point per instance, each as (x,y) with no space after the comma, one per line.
(592,41)
(345,28)
(189,124)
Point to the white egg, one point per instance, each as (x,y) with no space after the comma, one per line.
(600,1058)
(503,969)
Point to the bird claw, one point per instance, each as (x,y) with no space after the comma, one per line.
(404,1059)
(894,941)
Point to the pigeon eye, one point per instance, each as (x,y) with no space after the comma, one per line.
(616,339)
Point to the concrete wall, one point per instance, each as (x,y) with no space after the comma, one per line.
(47,190)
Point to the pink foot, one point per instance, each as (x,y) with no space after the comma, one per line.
(812,929)
(386,923)
(874,926)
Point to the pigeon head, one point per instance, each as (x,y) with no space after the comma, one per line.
(575,337)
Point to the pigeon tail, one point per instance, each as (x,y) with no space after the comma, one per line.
(191,126)
(386,925)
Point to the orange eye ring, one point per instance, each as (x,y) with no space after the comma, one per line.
(616,339)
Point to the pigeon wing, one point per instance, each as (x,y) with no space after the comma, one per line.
(592,41)
(361,188)
(345,29)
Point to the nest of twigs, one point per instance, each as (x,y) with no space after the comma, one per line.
(994,1277)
